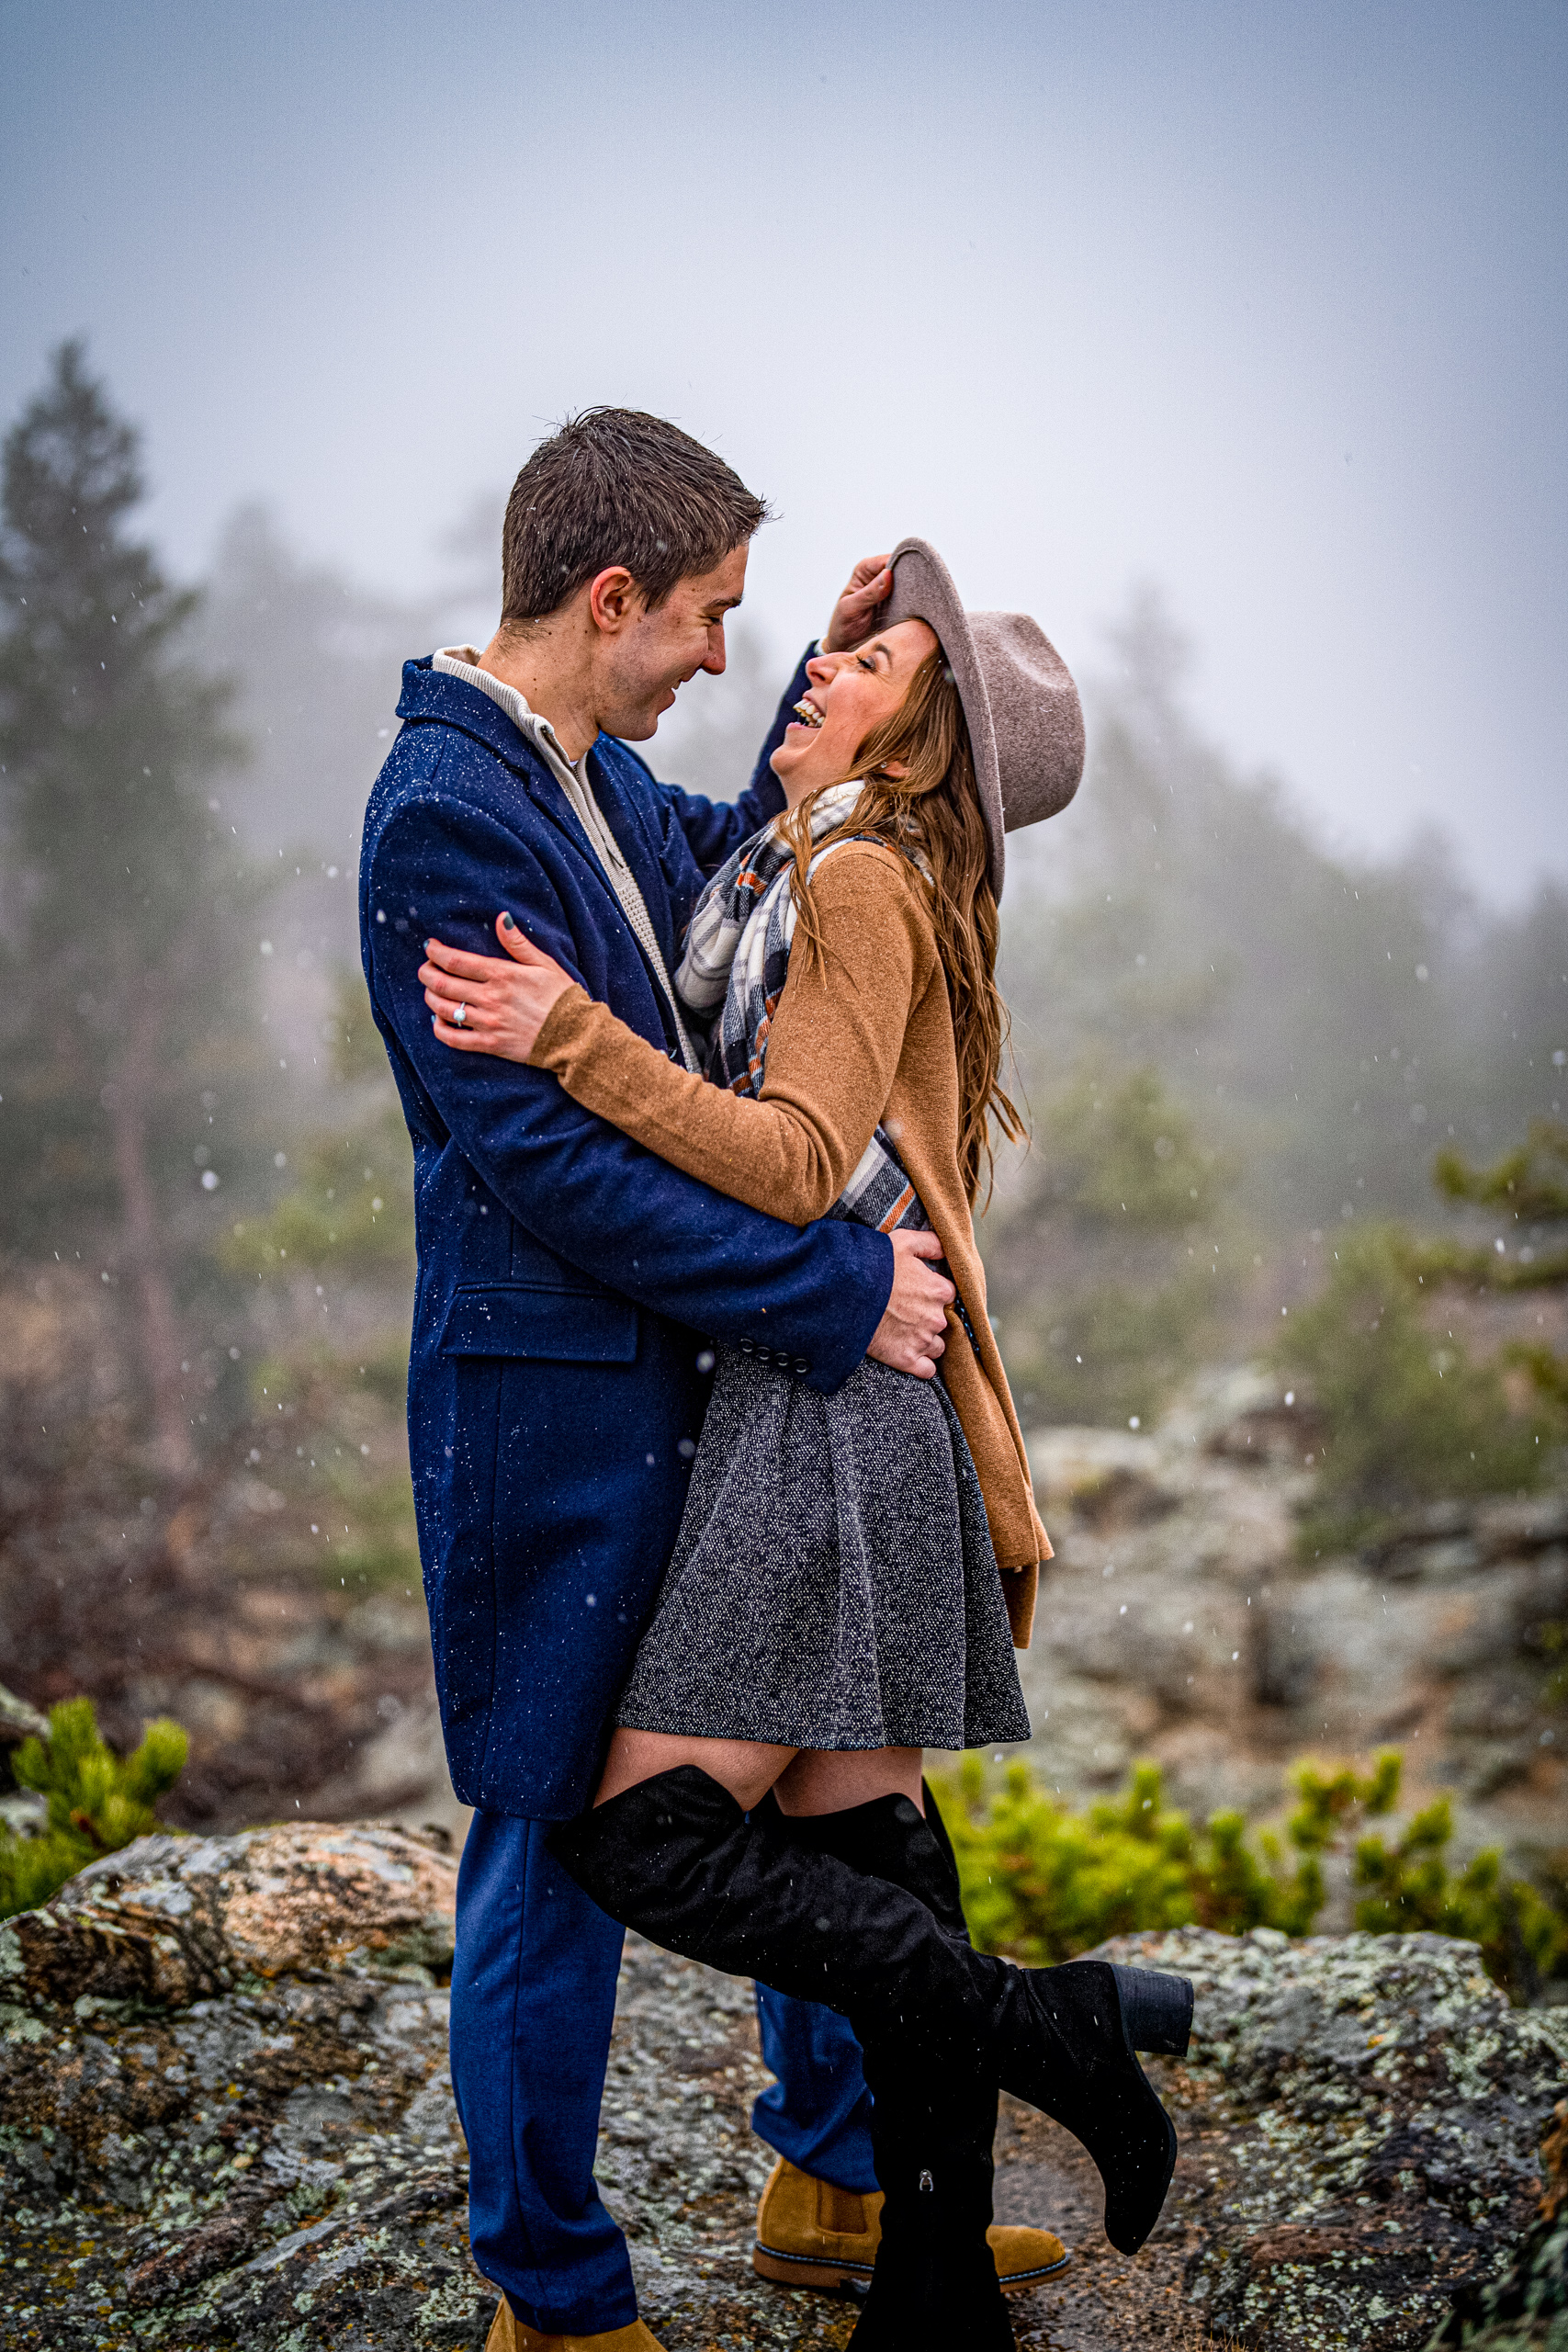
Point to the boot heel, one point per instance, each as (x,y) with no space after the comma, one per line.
(1155,2009)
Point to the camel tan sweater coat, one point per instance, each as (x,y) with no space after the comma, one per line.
(862,1035)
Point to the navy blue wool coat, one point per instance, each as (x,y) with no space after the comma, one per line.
(567,1279)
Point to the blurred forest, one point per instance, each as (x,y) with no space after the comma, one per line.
(1242,1049)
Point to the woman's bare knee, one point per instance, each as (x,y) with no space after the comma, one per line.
(746,1767)
(832,1780)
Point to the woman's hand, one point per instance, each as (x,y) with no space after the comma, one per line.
(858,613)
(484,1005)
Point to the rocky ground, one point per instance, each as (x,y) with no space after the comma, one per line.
(225,2120)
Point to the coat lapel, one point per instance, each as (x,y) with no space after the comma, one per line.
(433,695)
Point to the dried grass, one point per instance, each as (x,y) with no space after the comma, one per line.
(1198,2336)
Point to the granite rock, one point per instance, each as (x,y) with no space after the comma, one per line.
(225,2115)
(226,2121)
(1180,1622)
(1372,2112)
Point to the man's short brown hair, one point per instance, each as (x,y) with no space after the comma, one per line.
(614,486)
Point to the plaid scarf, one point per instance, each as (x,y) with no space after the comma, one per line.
(731,976)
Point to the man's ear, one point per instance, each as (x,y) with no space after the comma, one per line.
(613,599)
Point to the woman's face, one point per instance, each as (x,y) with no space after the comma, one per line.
(849,694)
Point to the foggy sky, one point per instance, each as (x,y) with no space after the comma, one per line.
(1263,303)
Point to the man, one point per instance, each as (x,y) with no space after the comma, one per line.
(567,1280)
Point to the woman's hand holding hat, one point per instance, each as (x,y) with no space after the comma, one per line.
(858,613)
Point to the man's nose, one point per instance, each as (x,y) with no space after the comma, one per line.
(714,663)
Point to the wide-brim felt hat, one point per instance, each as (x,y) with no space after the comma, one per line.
(1024,717)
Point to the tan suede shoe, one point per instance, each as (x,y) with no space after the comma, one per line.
(811,2234)
(509,2334)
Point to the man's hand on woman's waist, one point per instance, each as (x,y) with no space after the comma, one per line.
(911,1335)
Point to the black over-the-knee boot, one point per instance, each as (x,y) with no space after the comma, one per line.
(677,1859)
(931,2124)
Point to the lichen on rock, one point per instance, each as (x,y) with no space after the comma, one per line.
(225,2117)
(1374,2111)
(226,2121)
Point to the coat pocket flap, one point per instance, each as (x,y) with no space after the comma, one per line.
(527,1319)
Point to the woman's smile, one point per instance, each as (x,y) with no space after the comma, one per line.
(850,695)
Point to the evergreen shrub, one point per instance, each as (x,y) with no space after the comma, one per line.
(1523,1938)
(98,1802)
(1042,1881)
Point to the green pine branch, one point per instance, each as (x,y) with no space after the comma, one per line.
(98,1802)
(1530,1183)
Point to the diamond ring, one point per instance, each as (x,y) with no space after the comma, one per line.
(459,1018)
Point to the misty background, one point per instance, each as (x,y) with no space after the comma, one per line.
(1230,341)
(1260,303)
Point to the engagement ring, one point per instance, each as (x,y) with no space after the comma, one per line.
(461,1017)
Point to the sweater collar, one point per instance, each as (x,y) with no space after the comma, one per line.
(463,662)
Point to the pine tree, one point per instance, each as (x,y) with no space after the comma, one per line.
(123,889)
(1527,1192)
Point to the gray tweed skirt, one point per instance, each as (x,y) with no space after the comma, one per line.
(833,1583)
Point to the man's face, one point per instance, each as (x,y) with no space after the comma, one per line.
(642,662)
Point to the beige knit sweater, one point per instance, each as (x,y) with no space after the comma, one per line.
(863,1035)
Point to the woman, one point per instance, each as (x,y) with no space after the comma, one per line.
(851,1570)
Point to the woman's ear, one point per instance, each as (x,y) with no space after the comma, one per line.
(894,770)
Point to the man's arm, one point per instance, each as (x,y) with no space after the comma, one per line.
(815,1295)
(713,829)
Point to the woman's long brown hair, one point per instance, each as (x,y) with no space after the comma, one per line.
(934,808)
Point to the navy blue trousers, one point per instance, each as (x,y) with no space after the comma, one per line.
(818,2113)
(532,2002)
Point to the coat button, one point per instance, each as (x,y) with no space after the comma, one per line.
(801,1364)
(748,1346)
